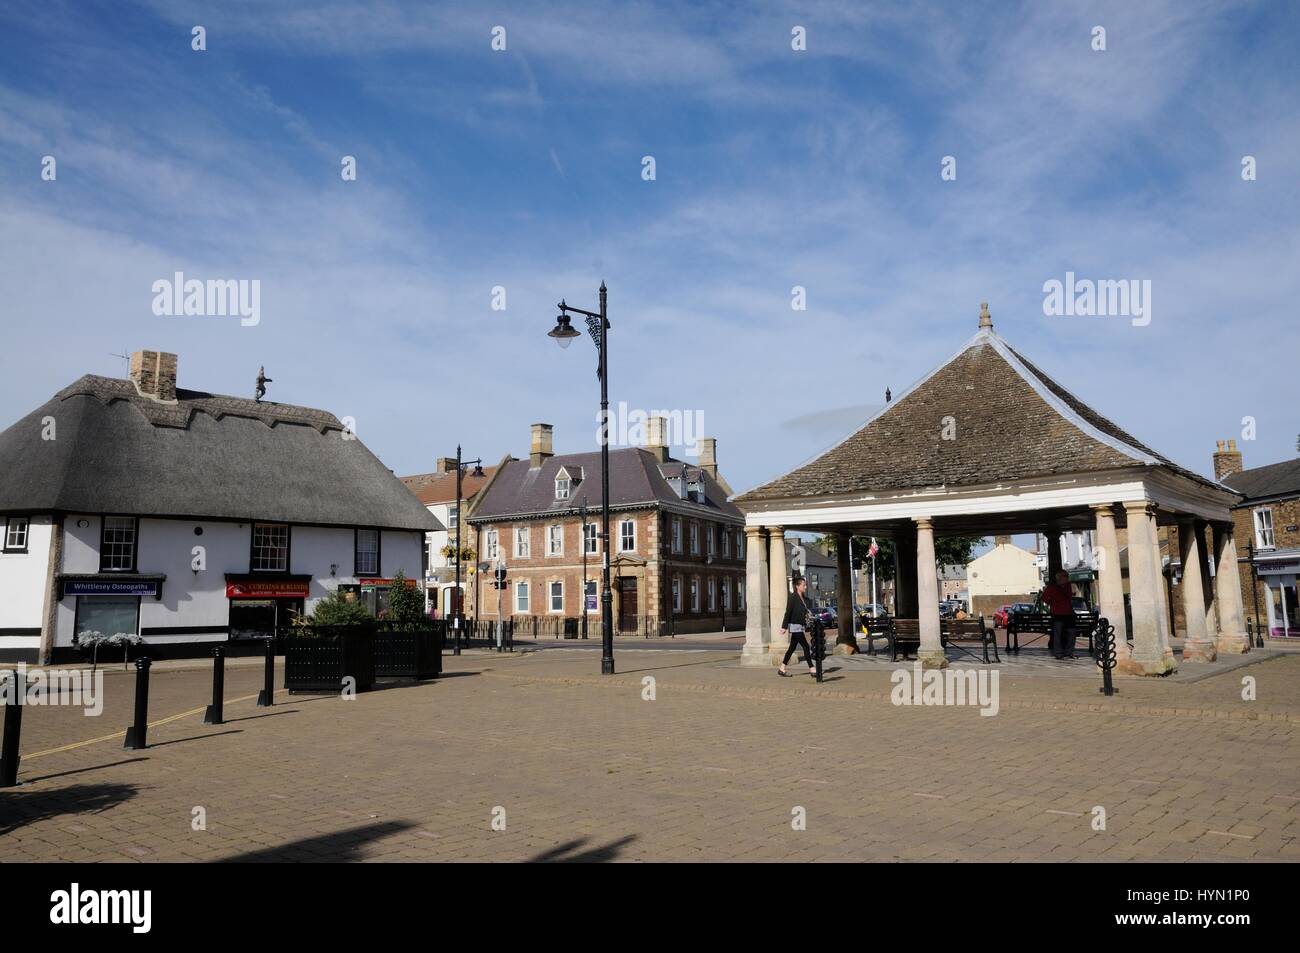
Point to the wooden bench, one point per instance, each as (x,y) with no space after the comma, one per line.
(1039,625)
(872,629)
(970,630)
(904,636)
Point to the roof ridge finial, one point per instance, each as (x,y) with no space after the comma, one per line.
(986,319)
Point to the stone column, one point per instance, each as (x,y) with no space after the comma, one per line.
(758,622)
(778,591)
(1227,592)
(1110,576)
(1207,582)
(905,595)
(1151,652)
(1053,537)
(930,654)
(1199,646)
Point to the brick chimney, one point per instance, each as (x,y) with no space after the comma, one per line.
(1001,540)
(154,374)
(709,456)
(1227,461)
(657,437)
(541,447)
(445,465)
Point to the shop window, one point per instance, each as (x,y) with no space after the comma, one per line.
(108,615)
(117,545)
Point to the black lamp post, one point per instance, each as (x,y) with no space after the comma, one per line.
(564,333)
(459,616)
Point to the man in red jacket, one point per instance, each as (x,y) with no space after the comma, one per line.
(1059,599)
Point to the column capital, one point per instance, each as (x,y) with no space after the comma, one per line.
(923,522)
(1103,509)
(775,530)
(754,532)
(1141,506)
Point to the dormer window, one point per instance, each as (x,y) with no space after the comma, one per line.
(565,481)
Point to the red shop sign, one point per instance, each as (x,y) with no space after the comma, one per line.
(264,588)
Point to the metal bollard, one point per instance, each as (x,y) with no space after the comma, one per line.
(266,697)
(1106,656)
(13,730)
(213,716)
(135,734)
(818,647)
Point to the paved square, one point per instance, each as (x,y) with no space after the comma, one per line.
(713,768)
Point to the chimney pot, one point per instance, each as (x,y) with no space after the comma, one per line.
(1227,461)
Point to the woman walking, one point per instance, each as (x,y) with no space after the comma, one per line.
(798,617)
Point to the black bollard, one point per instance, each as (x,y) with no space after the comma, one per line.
(1105,639)
(266,697)
(213,716)
(135,735)
(818,647)
(13,730)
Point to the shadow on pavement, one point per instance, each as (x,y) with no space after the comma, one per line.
(93,767)
(19,807)
(569,853)
(339,846)
(177,741)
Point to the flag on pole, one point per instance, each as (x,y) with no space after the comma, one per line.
(873,548)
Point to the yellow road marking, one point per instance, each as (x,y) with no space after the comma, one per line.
(152,724)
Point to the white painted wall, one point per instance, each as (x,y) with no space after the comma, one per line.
(22,585)
(1005,570)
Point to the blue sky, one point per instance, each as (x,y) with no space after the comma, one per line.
(775,168)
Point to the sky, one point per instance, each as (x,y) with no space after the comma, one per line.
(518,176)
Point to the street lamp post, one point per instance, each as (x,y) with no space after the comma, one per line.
(564,333)
(458,620)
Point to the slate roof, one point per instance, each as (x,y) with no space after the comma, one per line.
(203,456)
(1012,422)
(636,479)
(1276,479)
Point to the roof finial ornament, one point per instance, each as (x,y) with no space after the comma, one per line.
(262,381)
(986,319)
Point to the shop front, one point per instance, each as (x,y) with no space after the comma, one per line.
(109,604)
(1277,576)
(372,592)
(259,605)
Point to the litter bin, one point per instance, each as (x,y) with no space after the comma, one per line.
(570,628)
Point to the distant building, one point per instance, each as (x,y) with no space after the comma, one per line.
(677,558)
(185,518)
(819,569)
(1004,575)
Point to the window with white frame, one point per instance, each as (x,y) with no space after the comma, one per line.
(708,538)
(521,596)
(677,534)
(562,487)
(453,516)
(677,593)
(1264,529)
(590,538)
(555,540)
(557,596)
(366,557)
(740,544)
(726,595)
(740,594)
(493,546)
(270,545)
(726,543)
(16,531)
(713,594)
(627,536)
(523,542)
(695,593)
(695,539)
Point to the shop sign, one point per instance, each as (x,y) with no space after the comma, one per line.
(266,589)
(109,587)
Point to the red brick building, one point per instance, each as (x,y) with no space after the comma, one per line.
(677,562)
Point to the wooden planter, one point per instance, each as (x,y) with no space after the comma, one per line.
(317,659)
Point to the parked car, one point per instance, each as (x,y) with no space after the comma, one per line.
(826,616)
(1001,616)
